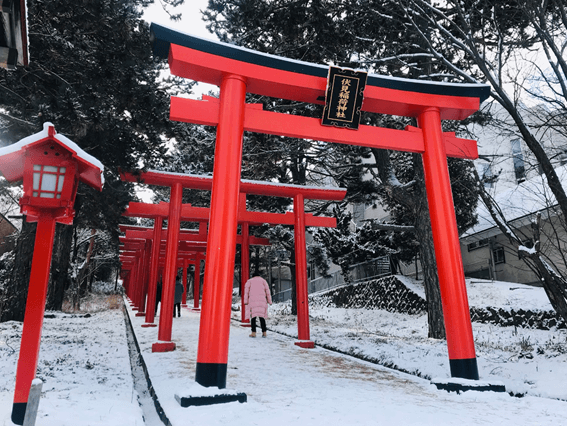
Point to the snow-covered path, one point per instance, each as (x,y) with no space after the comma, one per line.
(289,385)
(88,382)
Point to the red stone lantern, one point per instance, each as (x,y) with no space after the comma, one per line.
(51,167)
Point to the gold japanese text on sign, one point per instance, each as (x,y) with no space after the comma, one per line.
(343,99)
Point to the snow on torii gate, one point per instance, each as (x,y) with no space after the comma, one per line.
(238,71)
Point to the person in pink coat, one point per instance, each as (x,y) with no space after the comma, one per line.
(257,297)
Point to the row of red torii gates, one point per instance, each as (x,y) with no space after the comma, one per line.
(145,251)
(238,71)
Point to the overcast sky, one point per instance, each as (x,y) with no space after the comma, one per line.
(191,21)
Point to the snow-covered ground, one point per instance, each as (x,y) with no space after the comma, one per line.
(84,364)
(86,369)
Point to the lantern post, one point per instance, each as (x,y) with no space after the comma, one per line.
(51,167)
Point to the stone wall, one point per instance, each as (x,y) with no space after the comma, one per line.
(390,294)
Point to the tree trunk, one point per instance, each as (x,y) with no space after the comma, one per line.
(430,278)
(85,272)
(293,284)
(416,200)
(427,254)
(553,285)
(59,281)
(13,305)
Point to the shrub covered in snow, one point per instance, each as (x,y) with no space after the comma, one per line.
(387,293)
(542,320)
(6,266)
(105,287)
(393,295)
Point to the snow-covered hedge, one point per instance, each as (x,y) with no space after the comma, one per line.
(391,294)
(542,320)
(387,293)
(6,267)
(105,287)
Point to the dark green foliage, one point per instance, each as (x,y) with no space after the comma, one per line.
(92,75)
(369,34)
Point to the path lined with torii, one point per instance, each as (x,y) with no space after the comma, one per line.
(136,254)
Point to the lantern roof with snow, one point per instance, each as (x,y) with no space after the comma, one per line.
(12,157)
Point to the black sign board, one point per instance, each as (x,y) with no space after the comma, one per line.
(343,99)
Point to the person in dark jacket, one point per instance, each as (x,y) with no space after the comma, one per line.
(178,296)
(158,295)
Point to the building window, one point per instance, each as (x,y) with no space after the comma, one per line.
(518,158)
(477,244)
(498,255)
(311,270)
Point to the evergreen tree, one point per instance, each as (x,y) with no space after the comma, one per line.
(92,75)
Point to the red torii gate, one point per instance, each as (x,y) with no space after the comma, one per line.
(238,71)
(298,218)
(159,234)
(148,234)
(186,236)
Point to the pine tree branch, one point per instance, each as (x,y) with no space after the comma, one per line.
(19,121)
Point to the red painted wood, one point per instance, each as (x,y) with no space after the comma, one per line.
(201,214)
(168,284)
(245,267)
(35,308)
(246,186)
(154,261)
(219,268)
(210,68)
(458,327)
(301,269)
(409,140)
(146,259)
(184,296)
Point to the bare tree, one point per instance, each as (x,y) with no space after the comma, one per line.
(500,43)
(554,284)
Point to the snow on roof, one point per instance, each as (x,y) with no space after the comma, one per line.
(71,146)
(521,202)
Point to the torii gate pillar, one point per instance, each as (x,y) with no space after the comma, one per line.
(244,271)
(460,342)
(152,280)
(277,77)
(212,355)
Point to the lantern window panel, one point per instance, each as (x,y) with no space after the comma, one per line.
(48,181)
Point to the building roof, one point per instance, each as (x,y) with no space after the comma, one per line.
(518,205)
